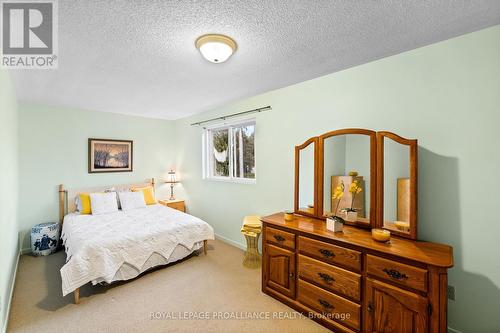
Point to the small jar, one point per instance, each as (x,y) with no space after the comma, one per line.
(402,225)
(289,215)
(381,235)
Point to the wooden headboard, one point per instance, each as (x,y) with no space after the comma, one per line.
(67,196)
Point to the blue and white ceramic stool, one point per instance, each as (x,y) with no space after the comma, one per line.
(44,238)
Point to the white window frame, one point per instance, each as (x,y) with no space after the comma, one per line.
(207,156)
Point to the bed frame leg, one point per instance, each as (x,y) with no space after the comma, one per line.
(205,245)
(76,293)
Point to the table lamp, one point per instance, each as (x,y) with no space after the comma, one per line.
(172,180)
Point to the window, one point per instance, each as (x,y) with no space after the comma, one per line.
(229,152)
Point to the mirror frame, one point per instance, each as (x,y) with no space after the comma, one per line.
(314,141)
(413,145)
(373,172)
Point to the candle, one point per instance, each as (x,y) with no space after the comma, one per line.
(288,215)
(403,226)
(381,235)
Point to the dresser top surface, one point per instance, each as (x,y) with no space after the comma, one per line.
(434,254)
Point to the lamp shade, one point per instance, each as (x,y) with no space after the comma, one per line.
(172,177)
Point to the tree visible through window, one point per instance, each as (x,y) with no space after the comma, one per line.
(230,152)
(220,150)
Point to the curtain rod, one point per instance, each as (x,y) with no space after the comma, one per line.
(265,108)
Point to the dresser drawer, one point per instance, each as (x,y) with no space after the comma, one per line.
(280,237)
(330,277)
(397,272)
(330,305)
(330,253)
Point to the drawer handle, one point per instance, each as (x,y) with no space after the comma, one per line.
(279,238)
(291,275)
(370,307)
(326,253)
(325,277)
(395,274)
(325,304)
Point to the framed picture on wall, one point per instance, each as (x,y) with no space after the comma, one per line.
(106,155)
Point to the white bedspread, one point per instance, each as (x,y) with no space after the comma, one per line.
(97,246)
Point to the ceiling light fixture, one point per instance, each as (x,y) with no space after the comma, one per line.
(216,48)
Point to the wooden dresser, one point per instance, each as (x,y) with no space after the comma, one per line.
(348,282)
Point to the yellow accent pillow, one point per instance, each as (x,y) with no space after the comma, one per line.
(85,202)
(149,194)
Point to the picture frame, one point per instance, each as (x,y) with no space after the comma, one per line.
(109,155)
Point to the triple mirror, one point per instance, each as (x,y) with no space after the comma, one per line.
(347,175)
(306,177)
(397,184)
(368,179)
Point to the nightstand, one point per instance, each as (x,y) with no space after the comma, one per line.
(175,204)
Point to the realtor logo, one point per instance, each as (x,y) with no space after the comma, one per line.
(29,34)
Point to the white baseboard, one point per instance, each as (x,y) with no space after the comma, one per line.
(231,242)
(11,293)
(452,330)
(26,251)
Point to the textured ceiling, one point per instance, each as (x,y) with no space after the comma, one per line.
(138,57)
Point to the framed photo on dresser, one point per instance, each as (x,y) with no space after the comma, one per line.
(107,155)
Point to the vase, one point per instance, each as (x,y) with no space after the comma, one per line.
(351,216)
(334,224)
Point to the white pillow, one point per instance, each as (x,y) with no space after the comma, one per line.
(131,200)
(112,189)
(78,202)
(102,203)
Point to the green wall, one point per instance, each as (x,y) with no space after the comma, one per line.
(9,248)
(53,150)
(447,95)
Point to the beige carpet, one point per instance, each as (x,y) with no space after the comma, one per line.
(216,283)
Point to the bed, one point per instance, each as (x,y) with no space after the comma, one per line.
(122,245)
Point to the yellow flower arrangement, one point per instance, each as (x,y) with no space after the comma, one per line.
(354,188)
(338,194)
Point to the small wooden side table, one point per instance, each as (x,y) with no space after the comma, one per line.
(175,204)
